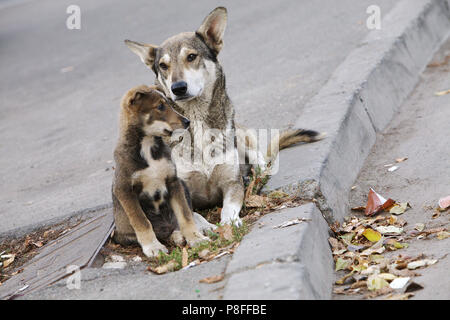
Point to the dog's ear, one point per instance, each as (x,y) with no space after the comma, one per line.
(213,28)
(146,52)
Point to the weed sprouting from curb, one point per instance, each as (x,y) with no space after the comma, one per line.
(217,245)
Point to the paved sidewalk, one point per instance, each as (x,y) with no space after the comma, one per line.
(421,133)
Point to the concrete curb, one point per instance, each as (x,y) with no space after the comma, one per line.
(358,101)
(270,263)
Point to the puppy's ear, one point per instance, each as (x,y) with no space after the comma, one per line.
(213,29)
(146,52)
(134,96)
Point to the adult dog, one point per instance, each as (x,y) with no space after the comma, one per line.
(187,69)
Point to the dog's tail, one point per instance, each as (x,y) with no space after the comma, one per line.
(289,138)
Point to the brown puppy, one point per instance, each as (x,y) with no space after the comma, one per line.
(150,201)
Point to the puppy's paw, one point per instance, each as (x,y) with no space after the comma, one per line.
(152,249)
(195,238)
(202,224)
(177,238)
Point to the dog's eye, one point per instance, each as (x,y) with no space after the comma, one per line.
(191,57)
(163,66)
(161,107)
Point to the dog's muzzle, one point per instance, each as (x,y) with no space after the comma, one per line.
(179,88)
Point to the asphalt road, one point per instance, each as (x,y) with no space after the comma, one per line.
(60,89)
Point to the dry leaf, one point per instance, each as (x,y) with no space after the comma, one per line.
(372,250)
(436,214)
(392,220)
(47,233)
(371,235)
(389,230)
(255,201)
(359,284)
(419,227)
(371,270)
(335,244)
(421,263)
(375,282)
(443,235)
(399,208)
(347,238)
(184,257)
(444,203)
(393,244)
(442,93)
(170,266)
(38,244)
(9,260)
(212,279)
(342,264)
(399,283)
(225,232)
(387,276)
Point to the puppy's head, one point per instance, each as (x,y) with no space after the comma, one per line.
(185,64)
(149,109)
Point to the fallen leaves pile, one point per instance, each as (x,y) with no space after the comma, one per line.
(16,252)
(359,245)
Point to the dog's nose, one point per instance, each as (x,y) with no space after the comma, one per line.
(186,122)
(179,88)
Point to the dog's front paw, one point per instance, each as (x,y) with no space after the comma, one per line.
(202,224)
(230,215)
(152,249)
(236,221)
(195,238)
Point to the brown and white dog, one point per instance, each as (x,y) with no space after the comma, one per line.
(187,68)
(150,203)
